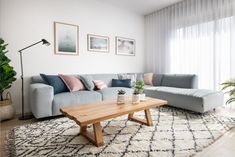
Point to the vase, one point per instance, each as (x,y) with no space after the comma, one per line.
(135,98)
(120,99)
(142,97)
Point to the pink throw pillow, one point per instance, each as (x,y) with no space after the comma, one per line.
(72,82)
(148,78)
(99,84)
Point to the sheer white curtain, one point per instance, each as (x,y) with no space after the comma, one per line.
(193,36)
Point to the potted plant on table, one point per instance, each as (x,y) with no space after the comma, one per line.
(139,88)
(121,97)
(7,77)
(136,97)
(231,86)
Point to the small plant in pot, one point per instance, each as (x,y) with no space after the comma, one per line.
(139,86)
(121,97)
(136,97)
(7,77)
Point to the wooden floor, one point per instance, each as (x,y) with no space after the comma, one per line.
(225,146)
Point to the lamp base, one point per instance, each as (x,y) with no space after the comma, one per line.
(25,117)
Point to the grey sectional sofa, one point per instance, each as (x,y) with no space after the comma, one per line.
(179,90)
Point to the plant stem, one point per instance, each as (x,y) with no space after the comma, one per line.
(1,96)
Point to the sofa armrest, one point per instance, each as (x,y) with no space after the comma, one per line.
(41,97)
(180,80)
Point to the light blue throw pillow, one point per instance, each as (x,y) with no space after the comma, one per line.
(87,80)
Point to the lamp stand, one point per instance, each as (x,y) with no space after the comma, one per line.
(44,42)
(23,117)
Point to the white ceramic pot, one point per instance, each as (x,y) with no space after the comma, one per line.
(121,99)
(135,98)
(142,97)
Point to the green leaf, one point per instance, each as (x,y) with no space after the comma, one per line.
(230,100)
(7,73)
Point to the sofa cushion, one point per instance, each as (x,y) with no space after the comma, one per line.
(72,82)
(157,79)
(37,79)
(73,98)
(107,78)
(56,82)
(87,80)
(99,84)
(179,80)
(121,83)
(139,77)
(128,76)
(111,92)
(148,78)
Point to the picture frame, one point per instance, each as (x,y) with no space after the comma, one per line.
(97,43)
(125,46)
(66,39)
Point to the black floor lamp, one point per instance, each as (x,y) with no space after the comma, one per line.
(44,42)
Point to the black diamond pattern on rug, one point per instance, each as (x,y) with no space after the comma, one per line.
(174,133)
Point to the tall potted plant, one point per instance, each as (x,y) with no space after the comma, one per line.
(231,86)
(7,77)
(139,88)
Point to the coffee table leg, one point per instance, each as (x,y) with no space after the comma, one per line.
(148,118)
(98,134)
(83,129)
(97,137)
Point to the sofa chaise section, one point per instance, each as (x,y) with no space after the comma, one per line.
(181,91)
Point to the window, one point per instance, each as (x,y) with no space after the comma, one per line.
(204,49)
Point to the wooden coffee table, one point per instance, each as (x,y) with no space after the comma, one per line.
(94,113)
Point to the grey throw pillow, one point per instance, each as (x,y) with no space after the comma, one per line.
(87,80)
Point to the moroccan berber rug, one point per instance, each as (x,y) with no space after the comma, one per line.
(175,133)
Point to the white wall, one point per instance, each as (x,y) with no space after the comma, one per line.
(23,22)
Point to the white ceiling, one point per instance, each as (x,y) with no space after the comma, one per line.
(142,7)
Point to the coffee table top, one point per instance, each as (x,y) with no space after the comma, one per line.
(103,110)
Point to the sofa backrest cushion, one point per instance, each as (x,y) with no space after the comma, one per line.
(157,79)
(179,80)
(37,79)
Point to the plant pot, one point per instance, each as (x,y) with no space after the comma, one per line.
(135,98)
(6,109)
(142,97)
(120,99)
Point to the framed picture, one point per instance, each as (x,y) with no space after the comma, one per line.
(125,46)
(97,43)
(66,38)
